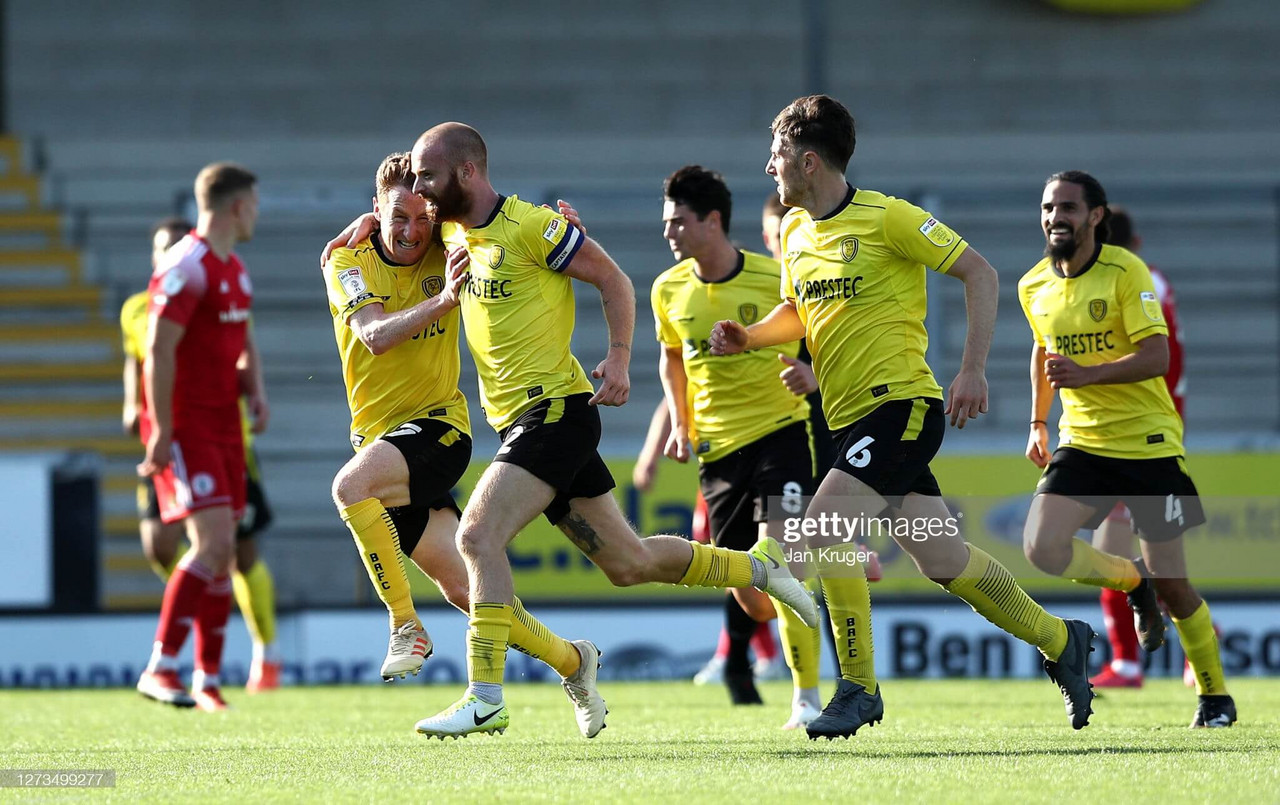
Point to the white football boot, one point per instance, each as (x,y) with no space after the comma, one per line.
(163,686)
(588,705)
(712,673)
(780,584)
(465,716)
(408,649)
(802,712)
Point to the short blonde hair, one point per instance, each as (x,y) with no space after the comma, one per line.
(392,173)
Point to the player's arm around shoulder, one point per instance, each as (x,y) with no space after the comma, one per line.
(593,265)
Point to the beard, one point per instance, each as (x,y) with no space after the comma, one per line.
(450,204)
(1063,249)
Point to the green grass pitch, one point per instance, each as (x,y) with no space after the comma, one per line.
(941,741)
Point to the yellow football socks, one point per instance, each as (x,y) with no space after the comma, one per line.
(256,595)
(1093,567)
(1200,644)
(530,636)
(801,644)
(487,642)
(379,545)
(717,567)
(991,590)
(849,605)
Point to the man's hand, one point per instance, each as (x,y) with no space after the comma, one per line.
(455,276)
(678,444)
(159,453)
(129,420)
(564,208)
(967,397)
(356,231)
(616,387)
(1064,373)
(645,471)
(798,377)
(728,338)
(1038,445)
(259,412)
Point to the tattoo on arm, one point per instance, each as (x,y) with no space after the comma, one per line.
(580,533)
(620,345)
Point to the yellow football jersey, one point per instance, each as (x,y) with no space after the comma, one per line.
(519,308)
(857,279)
(1097,316)
(733,399)
(414,380)
(133,325)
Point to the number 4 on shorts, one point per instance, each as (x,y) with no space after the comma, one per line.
(860,454)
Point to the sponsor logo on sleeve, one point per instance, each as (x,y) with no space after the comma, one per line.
(356,300)
(173,281)
(1151,306)
(937,232)
(352,281)
(552,232)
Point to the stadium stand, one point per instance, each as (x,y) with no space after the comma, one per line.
(943,121)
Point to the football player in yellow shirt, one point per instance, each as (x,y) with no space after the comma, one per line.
(1101,341)
(394,301)
(251,582)
(853,284)
(748,430)
(517,303)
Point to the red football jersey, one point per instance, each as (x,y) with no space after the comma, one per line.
(211,299)
(1174,378)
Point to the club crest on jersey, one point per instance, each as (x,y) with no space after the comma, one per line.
(245,285)
(748,313)
(496,255)
(937,232)
(352,281)
(848,249)
(1098,309)
(432,285)
(1150,305)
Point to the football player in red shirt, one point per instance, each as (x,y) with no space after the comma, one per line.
(1115,535)
(200,359)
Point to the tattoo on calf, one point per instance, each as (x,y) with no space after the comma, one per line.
(580,533)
